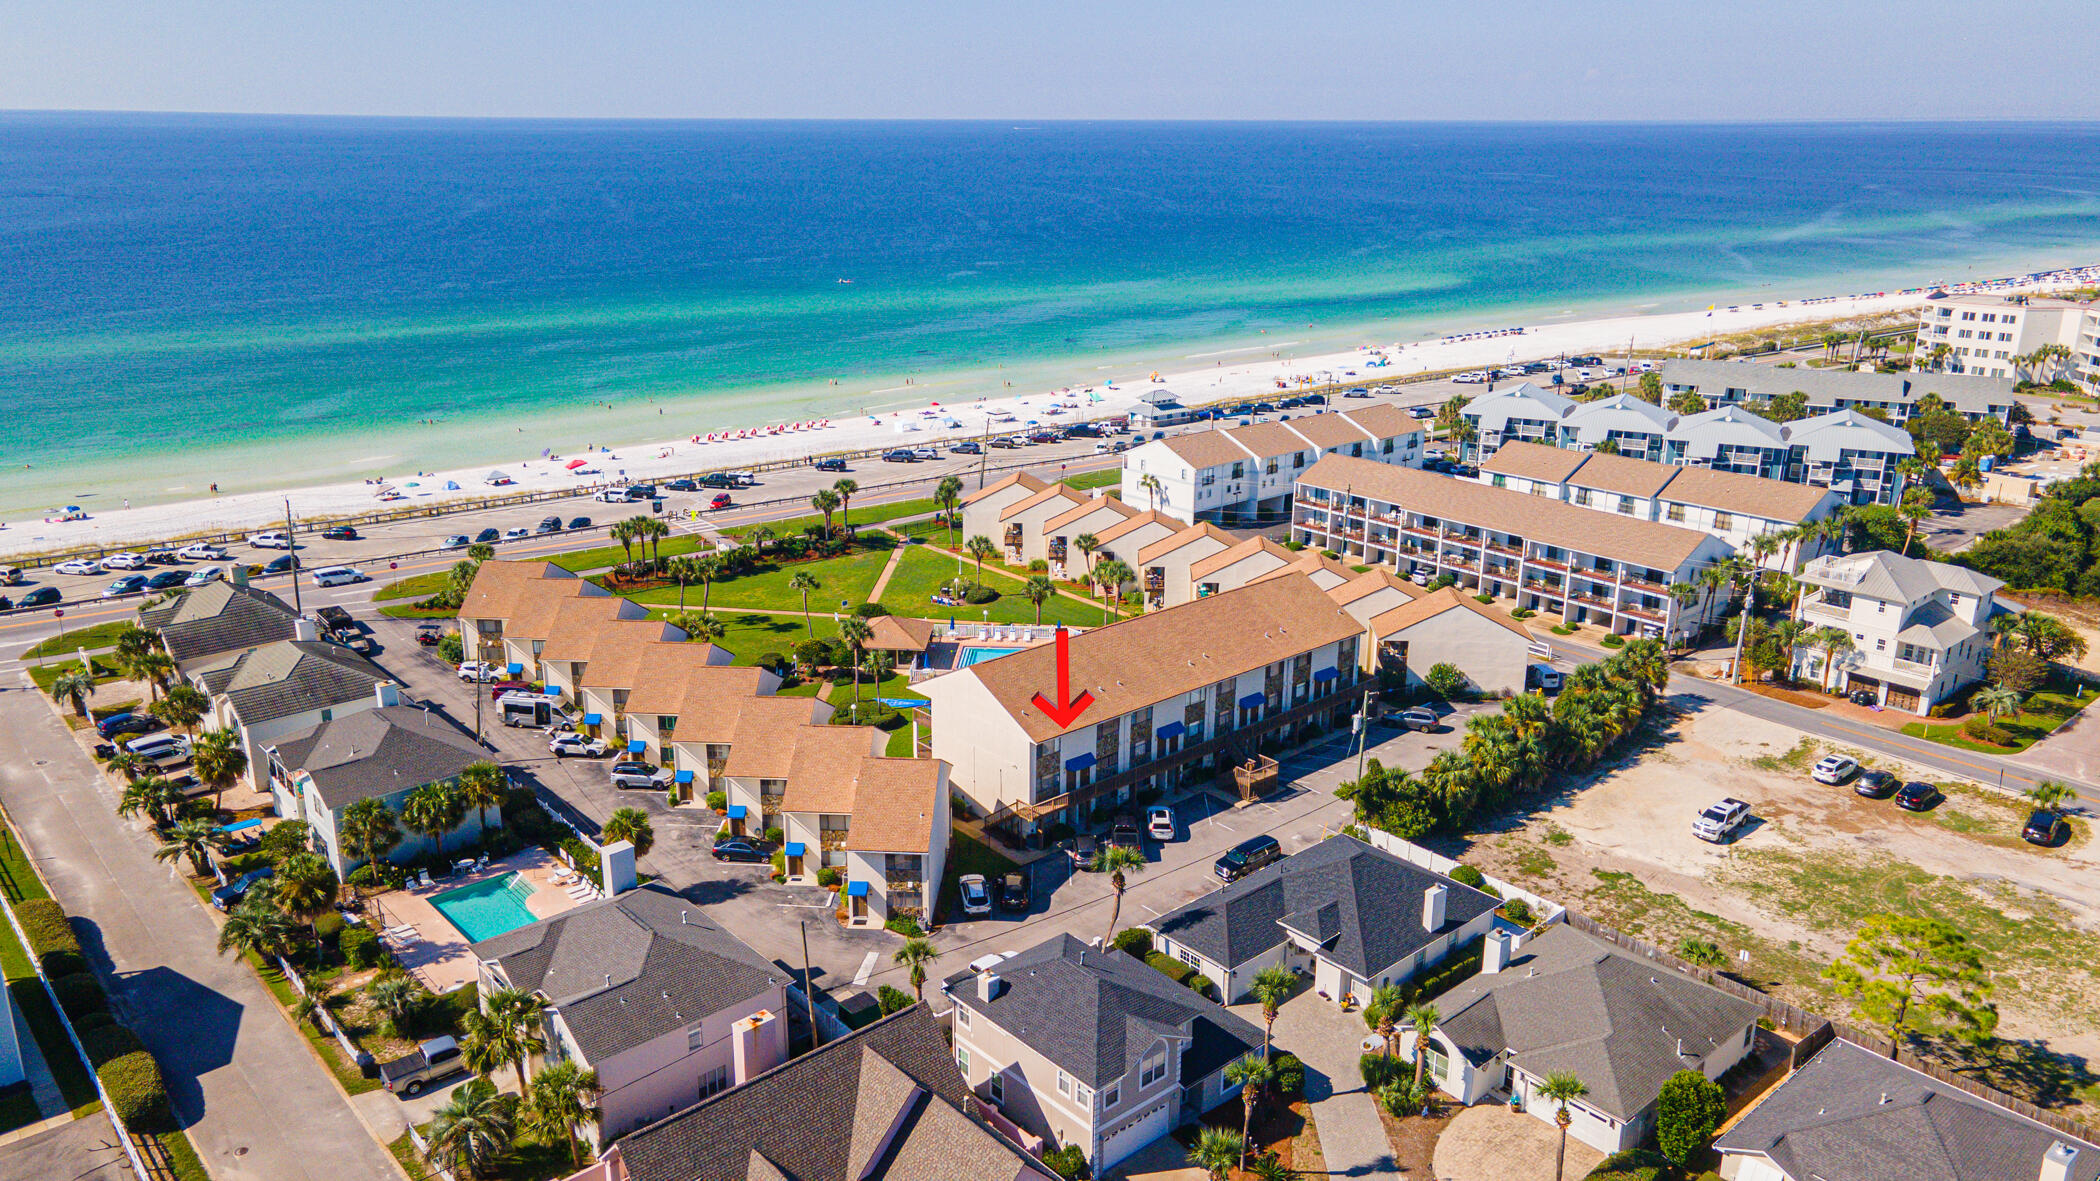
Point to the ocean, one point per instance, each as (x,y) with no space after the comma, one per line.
(268,302)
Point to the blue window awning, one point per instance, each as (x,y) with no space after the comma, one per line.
(516,668)
(1080,762)
(856,889)
(1326,674)
(738,811)
(636,744)
(682,777)
(1253,701)
(794,848)
(593,719)
(1171,730)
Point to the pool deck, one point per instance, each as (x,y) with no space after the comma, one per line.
(439,955)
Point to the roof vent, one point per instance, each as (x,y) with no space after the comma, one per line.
(608,980)
(1884,1099)
(681,917)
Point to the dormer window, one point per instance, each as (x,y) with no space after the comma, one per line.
(1153,1068)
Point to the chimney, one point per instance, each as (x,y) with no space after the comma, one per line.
(1494,956)
(618,862)
(305,629)
(2058,1162)
(386,693)
(757,1044)
(989,986)
(1433,907)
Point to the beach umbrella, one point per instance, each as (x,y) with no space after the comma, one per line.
(451,486)
(573,464)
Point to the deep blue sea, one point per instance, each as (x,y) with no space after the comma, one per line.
(262,301)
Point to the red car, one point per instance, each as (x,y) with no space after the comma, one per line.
(501,687)
(721,500)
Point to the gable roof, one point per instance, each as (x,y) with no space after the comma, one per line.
(293,677)
(1436,603)
(1373,581)
(1096,1014)
(626,969)
(1731,426)
(1364,907)
(1203,449)
(1622,474)
(1850,1113)
(1593,422)
(1093,504)
(1754,496)
(682,684)
(377,753)
(1034,499)
(1964,391)
(1026,480)
(761,744)
(1570,1002)
(900,633)
(1523,400)
(1533,461)
(1162,654)
(1200,531)
(1203,567)
(823,765)
(1137,521)
(1380,420)
(896,804)
(1825,435)
(219,617)
(820,1118)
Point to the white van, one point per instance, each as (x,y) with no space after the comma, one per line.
(338,575)
(162,750)
(1543,677)
(536,710)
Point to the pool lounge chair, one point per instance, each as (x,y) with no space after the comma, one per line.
(423,877)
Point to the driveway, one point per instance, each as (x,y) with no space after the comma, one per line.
(2072,752)
(85,1149)
(1329,1042)
(1492,1143)
(238,1074)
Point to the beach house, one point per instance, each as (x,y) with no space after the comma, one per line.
(1091,1047)
(1245,474)
(667,1005)
(1973,393)
(1919,631)
(282,688)
(384,754)
(220,618)
(1176,694)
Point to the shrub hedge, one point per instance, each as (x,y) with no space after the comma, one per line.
(137,1091)
(51,938)
(1634,1164)
(1172,968)
(360,947)
(79,993)
(1135,941)
(1202,986)
(1290,1074)
(1463,965)
(108,1043)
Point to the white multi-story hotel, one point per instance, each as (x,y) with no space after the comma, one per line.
(1989,335)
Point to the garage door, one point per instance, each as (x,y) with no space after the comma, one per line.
(1144,1130)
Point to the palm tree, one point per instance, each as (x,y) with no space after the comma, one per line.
(1038,590)
(705,628)
(761,537)
(946,495)
(132,640)
(805,582)
(1217,1150)
(826,501)
(1267,1167)
(846,487)
(306,887)
(1151,486)
(433,810)
(397,996)
(154,795)
(1830,640)
(219,761)
(1110,576)
(1916,506)
(1271,986)
(980,547)
(481,552)
(1966,474)
(706,568)
(1997,700)
(368,830)
(630,825)
(1116,861)
(856,633)
(624,533)
(2051,795)
(1086,544)
(1253,1073)
(915,956)
(563,1097)
(1423,1019)
(504,1031)
(258,929)
(154,667)
(684,572)
(480,786)
(472,1132)
(194,839)
(74,689)
(1561,1088)
(1381,1012)
(184,705)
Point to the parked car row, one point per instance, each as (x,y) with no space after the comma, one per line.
(2044,826)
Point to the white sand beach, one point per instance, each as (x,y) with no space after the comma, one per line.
(1232,375)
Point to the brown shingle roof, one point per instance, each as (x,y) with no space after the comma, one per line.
(1622,474)
(895,633)
(762,744)
(1534,461)
(1163,654)
(1267,439)
(1204,567)
(824,763)
(539,604)
(1754,496)
(573,627)
(1313,562)
(1535,518)
(1199,531)
(1134,523)
(684,686)
(1433,604)
(1323,431)
(1094,504)
(1204,449)
(499,586)
(1024,479)
(896,803)
(1364,585)
(1383,420)
(1053,492)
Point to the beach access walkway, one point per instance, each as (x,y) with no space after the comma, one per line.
(256,1103)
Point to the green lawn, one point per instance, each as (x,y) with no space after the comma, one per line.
(99,635)
(415,586)
(849,577)
(862,515)
(600,557)
(967,854)
(750,636)
(2040,714)
(46,675)
(921,571)
(1105,478)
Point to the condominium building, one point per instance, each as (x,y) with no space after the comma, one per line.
(1734,508)
(1521,412)
(1920,631)
(1974,394)
(1617,572)
(1632,426)
(1996,336)
(1246,472)
(1174,694)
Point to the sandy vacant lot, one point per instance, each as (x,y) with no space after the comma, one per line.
(1794,886)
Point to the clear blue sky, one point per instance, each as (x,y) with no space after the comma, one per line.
(1073,59)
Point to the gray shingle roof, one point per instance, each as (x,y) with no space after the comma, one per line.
(219,617)
(378,752)
(1524,400)
(1850,1113)
(1825,436)
(627,969)
(1828,387)
(1620,1023)
(821,1117)
(293,677)
(1593,422)
(1363,905)
(1882,574)
(1095,1013)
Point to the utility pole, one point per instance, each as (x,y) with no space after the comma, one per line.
(809,991)
(1363,732)
(291,542)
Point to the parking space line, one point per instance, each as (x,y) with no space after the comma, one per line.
(867,967)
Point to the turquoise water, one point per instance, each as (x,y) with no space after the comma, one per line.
(487,909)
(267,302)
(972,656)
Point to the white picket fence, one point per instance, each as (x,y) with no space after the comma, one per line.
(326,1018)
(423,1149)
(1546,909)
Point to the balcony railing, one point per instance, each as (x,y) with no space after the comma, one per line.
(1651,616)
(1919,667)
(1548,563)
(1653,588)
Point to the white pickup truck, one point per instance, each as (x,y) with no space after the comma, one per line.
(1720,821)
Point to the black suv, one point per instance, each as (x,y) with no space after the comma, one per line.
(1013,891)
(1123,833)
(681,486)
(833,464)
(548,525)
(1248,856)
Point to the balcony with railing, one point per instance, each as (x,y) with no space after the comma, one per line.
(1547,563)
(1651,614)
(1642,584)
(1914,667)
(1419,531)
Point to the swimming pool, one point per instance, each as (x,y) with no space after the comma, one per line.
(972,656)
(487,909)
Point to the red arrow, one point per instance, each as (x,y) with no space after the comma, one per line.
(1064,714)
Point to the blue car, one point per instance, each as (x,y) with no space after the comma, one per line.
(128,584)
(228,896)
